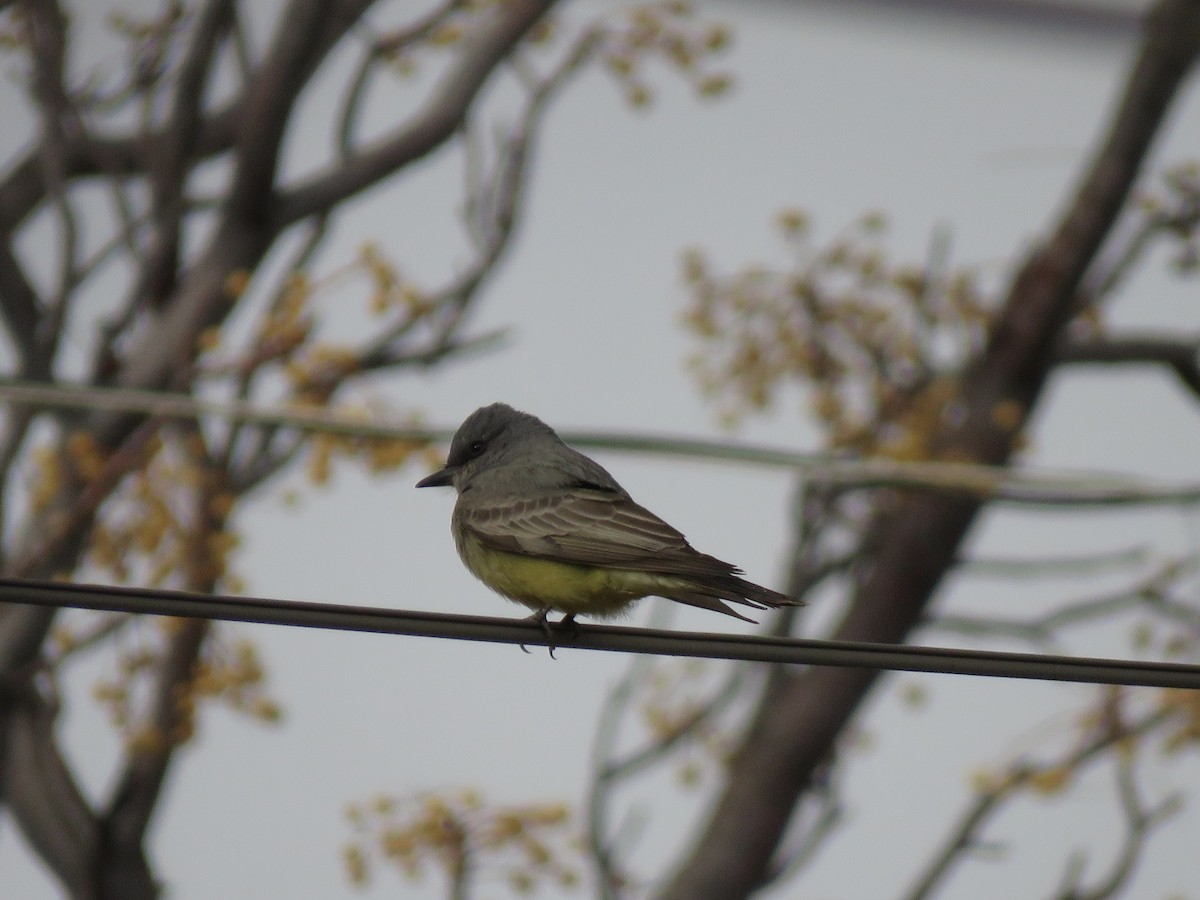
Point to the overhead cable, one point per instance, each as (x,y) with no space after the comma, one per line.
(1027,486)
(752,648)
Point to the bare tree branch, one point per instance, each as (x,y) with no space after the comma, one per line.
(1149,594)
(168,167)
(965,836)
(491,212)
(828,816)
(1180,355)
(442,116)
(1054,566)
(1139,822)
(19,304)
(383,48)
(1178,218)
(43,798)
(135,796)
(611,770)
(112,155)
(308,28)
(95,635)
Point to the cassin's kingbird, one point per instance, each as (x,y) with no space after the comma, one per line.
(541,524)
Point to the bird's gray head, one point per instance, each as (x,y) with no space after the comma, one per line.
(490,436)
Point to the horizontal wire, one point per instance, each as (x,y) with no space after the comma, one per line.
(1028,486)
(898,657)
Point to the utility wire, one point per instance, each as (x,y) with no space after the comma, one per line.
(1026,486)
(793,651)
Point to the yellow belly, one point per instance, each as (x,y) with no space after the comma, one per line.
(543,583)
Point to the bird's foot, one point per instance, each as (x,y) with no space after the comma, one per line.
(569,626)
(542,618)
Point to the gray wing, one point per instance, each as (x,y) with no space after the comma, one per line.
(582,526)
(595,527)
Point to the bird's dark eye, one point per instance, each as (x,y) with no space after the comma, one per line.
(476,448)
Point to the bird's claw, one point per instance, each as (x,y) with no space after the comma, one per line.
(541,618)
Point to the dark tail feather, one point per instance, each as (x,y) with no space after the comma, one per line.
(704,601)
(710,593)
(757,595)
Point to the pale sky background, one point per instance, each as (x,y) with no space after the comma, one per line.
(978,130)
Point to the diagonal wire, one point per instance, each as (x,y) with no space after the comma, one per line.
(767,649)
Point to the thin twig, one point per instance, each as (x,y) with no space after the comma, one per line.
(1054,566)
(964,837)
(99,630)
(1139,822)
(1148,594)
(382,48)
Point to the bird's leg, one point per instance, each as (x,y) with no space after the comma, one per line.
(540,619)
(567,623)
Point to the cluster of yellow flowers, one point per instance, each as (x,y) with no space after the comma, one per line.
(864,338)
(229,671)
(668,32)
(166,522)
(1121,722)
(462,836)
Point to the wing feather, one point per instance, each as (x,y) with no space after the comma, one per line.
(586,527)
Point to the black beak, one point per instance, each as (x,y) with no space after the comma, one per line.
(440,478)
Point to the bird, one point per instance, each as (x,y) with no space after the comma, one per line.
(547,527)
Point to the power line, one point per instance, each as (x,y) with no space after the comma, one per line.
(793,651)
(1026,486)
